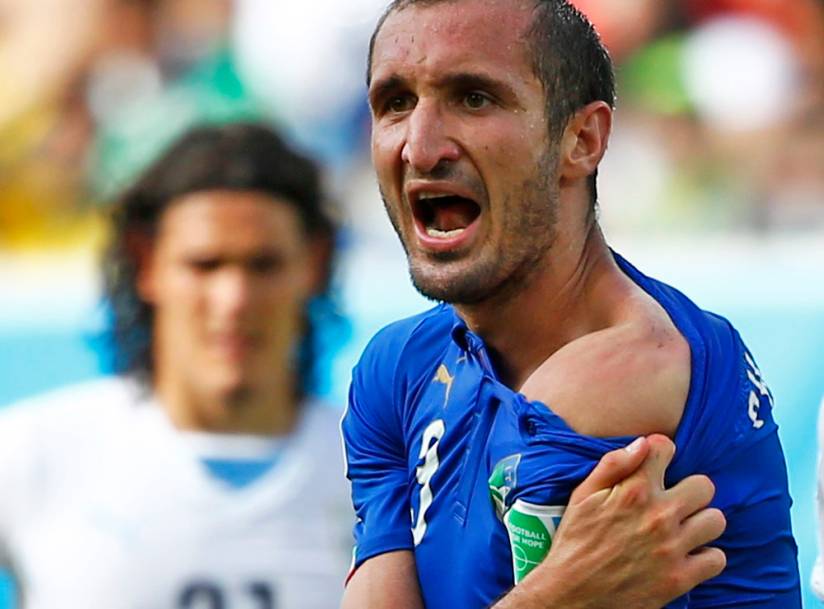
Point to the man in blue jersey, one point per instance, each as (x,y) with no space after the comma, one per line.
(482,416)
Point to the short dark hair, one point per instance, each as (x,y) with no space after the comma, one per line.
(239,156)
(568,58)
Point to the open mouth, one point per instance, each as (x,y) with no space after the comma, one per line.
(443,216)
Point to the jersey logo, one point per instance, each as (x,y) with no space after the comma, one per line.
(759,389)
(503,480)
(442,376)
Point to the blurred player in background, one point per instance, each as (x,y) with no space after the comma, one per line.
(203,475)
(482,416)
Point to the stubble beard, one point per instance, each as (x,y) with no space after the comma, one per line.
(503,271)
(238,397)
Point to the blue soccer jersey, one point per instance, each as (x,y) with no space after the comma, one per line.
(448,462)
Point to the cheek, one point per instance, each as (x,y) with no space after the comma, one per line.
(180,319)
(278,297)
(517,138)
(386,153)
(188,294)
(282,320)
(514,155)
(513,165)
(176,292)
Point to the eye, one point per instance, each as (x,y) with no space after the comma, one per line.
(399,103)
(204,265)
(475,100)
(266,264)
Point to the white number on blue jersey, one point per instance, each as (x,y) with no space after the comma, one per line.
(429,453)
(760,389)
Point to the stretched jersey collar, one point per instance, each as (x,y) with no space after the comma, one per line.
(464,338)
(459,329)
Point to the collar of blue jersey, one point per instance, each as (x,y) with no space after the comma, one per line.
(473,344)
(637,276)
(468,341)
(459,329)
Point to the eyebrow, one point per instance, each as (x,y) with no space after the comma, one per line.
(381,88)
(474,80)
(460,81)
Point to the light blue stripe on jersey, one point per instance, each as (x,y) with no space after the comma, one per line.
(239,473)
(8,590)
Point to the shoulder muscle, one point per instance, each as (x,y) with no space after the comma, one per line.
(630,379)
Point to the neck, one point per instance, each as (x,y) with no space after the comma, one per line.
(572,293)
(260,411)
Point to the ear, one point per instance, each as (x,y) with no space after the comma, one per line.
(585,141)
(140,249)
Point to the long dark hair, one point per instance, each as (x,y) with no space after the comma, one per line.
(240,156)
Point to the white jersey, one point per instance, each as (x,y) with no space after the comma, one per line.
(817,579)
(105,505)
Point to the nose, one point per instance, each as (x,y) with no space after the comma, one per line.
(232,293)
(428,144)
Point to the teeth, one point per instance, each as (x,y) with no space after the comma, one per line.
(443,234)
(432,195)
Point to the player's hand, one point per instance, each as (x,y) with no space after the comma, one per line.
(627,542)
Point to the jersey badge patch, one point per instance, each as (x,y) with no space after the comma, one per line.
(503,479)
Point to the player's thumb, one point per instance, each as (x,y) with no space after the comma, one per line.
(661,451)
(613,467)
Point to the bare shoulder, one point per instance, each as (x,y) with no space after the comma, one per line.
(629,379)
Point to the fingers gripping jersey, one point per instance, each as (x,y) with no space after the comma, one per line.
(446,461)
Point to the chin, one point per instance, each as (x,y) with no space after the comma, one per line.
(453,292)
(238,396)
(230,387)
(453,283)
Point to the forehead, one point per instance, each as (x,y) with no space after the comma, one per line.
(454,35)
(228,219)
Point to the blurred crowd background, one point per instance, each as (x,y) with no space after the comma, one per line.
(720,123)
(714,179)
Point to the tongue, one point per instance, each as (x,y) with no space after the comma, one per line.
(455,214)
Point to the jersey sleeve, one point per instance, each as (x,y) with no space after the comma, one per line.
(374,449)
(735,442)
(762,568)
